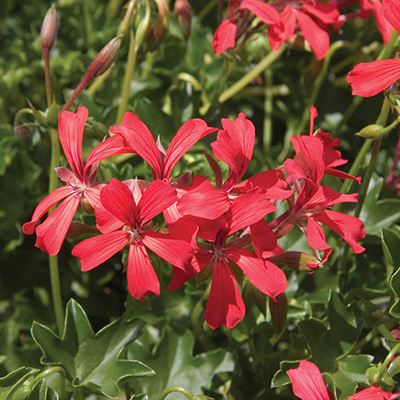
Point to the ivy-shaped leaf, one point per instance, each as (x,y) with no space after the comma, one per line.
(92,361)
(175,364)
(10,383)
(378,214)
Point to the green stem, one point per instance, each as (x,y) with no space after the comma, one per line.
(268,109)
(130,67)
(197,322)
(48,372)
(53,260)
(98,83)
(176,389)
(266,62)
(49,95)
(387,361)
(206,9)
(381,120)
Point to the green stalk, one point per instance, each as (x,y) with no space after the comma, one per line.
(130,67)
(53,260)
(176,389)
(266,62)
(381,120)
(268,109)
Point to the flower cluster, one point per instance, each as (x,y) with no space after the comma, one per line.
(222,230)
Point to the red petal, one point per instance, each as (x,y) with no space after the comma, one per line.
(156,198)
(108,148)
(372,393)
(316,236)
(390,10)
(51,233)
(312,150)
(264,11)
(224,37)
(175,251)
(278,33)
(215,167)
(313,115)
(263,237)
(44,206)
(269,278)
(140,140)
(118,200)
(70,129)
(369,79)
(208,204)
(325,12)
(96,250)
(225,305)
(142,279)
(248,209)
(188,134)
(350,228)
(307,382)
(384,26)
(234,146)
(199,261)
(315,36)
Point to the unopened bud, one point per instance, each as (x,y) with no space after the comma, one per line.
(297,260)
(49,29)
(24,135)
(77,229)
(373,131)
(183,13)
(105,58)
(159,29)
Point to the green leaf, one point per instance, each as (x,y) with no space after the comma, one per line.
(175,364)
(281,378)
(345,329)
(42,392)
(10,383)
(351,371)
(378,214)
(92,361)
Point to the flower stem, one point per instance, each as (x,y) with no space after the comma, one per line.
(266,62)
(130,68)
(53,260)
(47,76)
(176,389)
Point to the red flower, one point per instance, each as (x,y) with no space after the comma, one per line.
(313,202)
(308,384)
(141,141)
(225,305)
(81,188)
(369,79)
(135,211)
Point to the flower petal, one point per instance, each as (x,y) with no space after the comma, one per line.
(369,79)
(315,36)
(307,382)
(175,251)
(225,305)
(224,37)
(188,135)
(96,250)
(263,237)
(142,279)
(140,140)
(155,199)
(268,277)
(390,10)
(70,130)
(264,11)
(51,233)
(372,393)
(54,197)
(118,200)
(325,12)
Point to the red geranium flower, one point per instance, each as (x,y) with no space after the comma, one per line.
(135,211)
(81,188)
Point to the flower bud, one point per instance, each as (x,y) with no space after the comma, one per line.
(159,29)
(373,131)
(297,260)
(105,58)
(24,135)
(49,29)
(77,229)
(278,310)
(183,13)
